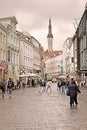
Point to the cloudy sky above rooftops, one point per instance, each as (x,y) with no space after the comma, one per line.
(33,16)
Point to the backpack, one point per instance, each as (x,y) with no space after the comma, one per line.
(43,83)
(9,84)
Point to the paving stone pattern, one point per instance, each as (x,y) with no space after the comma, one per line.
(30,110)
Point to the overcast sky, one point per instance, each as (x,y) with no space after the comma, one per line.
(33,16)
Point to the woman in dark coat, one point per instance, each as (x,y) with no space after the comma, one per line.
(73,89)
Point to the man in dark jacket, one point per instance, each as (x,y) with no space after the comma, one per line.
(73,89)
(10,86)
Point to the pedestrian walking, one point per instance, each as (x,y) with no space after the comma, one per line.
(48,86)
(23,83)
(10,86)
(3,87)
(18,84)
(40,86)
(59,85)
(73,89)
(63,86)
(43,84)
(28,82)
(33,82)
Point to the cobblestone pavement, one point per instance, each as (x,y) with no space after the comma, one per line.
(30,110)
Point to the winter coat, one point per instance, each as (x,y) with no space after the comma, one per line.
(73,89)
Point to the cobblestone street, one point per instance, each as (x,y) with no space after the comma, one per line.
(30,110)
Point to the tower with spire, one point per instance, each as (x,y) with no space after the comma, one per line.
(50,37)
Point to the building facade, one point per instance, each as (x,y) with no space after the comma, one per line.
(82,46)
(26,54)
(74,58)
(36,55)
(42,61)
(13,43)
(54,66)
(70,57)
(66,56)
(3,63)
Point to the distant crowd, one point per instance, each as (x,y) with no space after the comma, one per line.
(10,85)
(66,86)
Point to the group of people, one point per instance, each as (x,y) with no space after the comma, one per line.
(62,85)
(70,88)
(45,85)
(22,83)
(10,85)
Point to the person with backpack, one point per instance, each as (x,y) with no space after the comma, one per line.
(10,86)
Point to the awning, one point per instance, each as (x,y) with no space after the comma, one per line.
(29,75)
(62,76)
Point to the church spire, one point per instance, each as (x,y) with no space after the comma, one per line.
(50,37)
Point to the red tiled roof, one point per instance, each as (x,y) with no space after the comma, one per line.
(52,54)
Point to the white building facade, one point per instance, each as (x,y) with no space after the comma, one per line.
(26,54)
(13,43)
(36,55)
(53,66)
(70,57)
